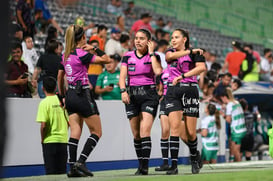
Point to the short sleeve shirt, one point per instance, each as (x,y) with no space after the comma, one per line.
(183,65)
(140,71)
(51,113)
(76,66)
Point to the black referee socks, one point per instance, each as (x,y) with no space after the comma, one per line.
(72,148)
(88,147)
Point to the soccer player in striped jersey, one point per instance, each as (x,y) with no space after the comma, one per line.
(209,134)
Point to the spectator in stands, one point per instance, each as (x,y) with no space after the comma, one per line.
(248,139)
(115,7)
(125,43)
(60,48)
(79,102)
(141,101)
(234,115)
(16,33)
(209,132)
(95,70)
(158,24)
(161,49)
(211,59)
(113,45)
(25,16)
(130,10)
(30,55)
(16,75)
(248,47)
(42,5)
(47,65)
(266,65)
(236,84)
(224,83)
(39,21)
(184,66)
(54,129)
(234,59)
(51,34)
(166,36)
(159,34)
(216,67)
(142,23)
(168,27)
(249,68)
(107,84)
(120,24)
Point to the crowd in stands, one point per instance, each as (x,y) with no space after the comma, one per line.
(26,68)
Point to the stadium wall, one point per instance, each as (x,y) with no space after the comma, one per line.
(115,150)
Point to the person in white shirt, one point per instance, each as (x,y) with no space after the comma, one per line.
(30,55)
(161,48)
(265,65)
(113,45)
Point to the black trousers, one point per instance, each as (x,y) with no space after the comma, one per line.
(55,157)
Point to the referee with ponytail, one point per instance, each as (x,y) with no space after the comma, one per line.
(79,103)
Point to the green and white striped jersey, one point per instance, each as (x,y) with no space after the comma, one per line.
(236,112)
(210,142)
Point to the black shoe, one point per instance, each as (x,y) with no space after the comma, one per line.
(172,171)
(82,168)
(138,172)
(164,167)
(75,173)
(144,171)
(141,171)
(199,160)
(195,169)
(196,163)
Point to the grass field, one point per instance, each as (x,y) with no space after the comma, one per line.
(244,171)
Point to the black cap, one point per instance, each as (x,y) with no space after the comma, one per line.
(116,57)
(236,44)
(145,15)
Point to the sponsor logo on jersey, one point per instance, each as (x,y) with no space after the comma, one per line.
(131,69)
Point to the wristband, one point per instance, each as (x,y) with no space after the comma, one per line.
(99,52)
(183,76)
(152,54)
(122,90)
(190,50)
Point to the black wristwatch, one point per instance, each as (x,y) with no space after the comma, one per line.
(183,76)
(152,54)
(122,90)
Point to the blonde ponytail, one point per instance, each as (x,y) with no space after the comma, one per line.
(230,95)
(70,44)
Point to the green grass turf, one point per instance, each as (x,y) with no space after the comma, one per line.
(220,172)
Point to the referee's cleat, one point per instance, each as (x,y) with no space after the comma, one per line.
(138,172)
(144,171)
(164,167)
(196,163)
(199,160)
(82,168)
(195,169)
(75,173)
(172,171)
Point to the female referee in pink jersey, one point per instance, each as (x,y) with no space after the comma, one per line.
(182,95)
(79,103)
(139,94)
